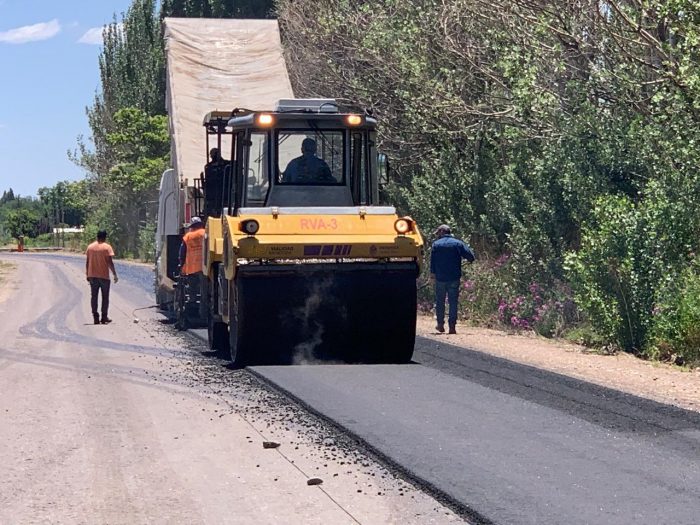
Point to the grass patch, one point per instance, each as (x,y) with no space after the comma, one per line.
(584,335)
(5,269)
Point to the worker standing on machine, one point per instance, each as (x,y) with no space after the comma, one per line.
(212,182)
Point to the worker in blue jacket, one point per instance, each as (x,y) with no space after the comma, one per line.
(446,271)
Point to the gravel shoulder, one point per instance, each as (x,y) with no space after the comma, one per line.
(657,381)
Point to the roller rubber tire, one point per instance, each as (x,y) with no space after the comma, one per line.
(217,331)
(236,346)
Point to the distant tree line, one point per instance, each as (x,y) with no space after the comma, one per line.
(31,217)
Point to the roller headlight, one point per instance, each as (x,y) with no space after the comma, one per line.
(403,226)
(250,226)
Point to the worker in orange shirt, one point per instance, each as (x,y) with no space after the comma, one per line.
(98,264)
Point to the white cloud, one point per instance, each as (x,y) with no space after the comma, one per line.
(92,36)
(32,33)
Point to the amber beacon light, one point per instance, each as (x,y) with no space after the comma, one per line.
(265,119)
(354,120)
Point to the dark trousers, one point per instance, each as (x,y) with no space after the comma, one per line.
(449,289)
(97,284)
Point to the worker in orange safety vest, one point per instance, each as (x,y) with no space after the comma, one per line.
(191,280)
(191,248)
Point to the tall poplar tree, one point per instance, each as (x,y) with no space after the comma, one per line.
(218,8)
(132,90)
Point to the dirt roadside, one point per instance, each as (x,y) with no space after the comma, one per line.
(658,381)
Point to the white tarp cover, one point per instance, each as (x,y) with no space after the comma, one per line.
(218,65)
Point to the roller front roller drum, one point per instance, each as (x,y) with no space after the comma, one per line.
(296,313)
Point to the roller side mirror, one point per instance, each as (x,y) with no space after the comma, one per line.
(383,169)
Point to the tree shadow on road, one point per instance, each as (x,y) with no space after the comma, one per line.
(602,406)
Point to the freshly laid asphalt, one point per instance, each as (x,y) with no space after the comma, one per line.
(536,448)
(507,442)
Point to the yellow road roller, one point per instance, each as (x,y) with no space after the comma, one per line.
(303,262)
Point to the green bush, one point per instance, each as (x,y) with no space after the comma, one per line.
(493,295)
(43,240)
(603,274)
(546,310)
(630,253)
(485,285)
(676,331)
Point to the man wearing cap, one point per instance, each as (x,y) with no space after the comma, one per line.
(445,271)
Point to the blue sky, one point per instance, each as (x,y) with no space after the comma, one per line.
(48,74)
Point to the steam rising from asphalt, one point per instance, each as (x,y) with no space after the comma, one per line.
(309,316)
(304,353)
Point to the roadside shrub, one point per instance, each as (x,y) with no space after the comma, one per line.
(546,311)
(43,240)
(676,332)
(584,334)
(602,273)
(483,288)
(630,254)
(492,295)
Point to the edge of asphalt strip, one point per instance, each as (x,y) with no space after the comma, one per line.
(459,508)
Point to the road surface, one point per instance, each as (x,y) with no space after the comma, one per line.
(501,442)
(130,423)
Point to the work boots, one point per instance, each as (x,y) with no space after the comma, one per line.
(441,328)
(96,318)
